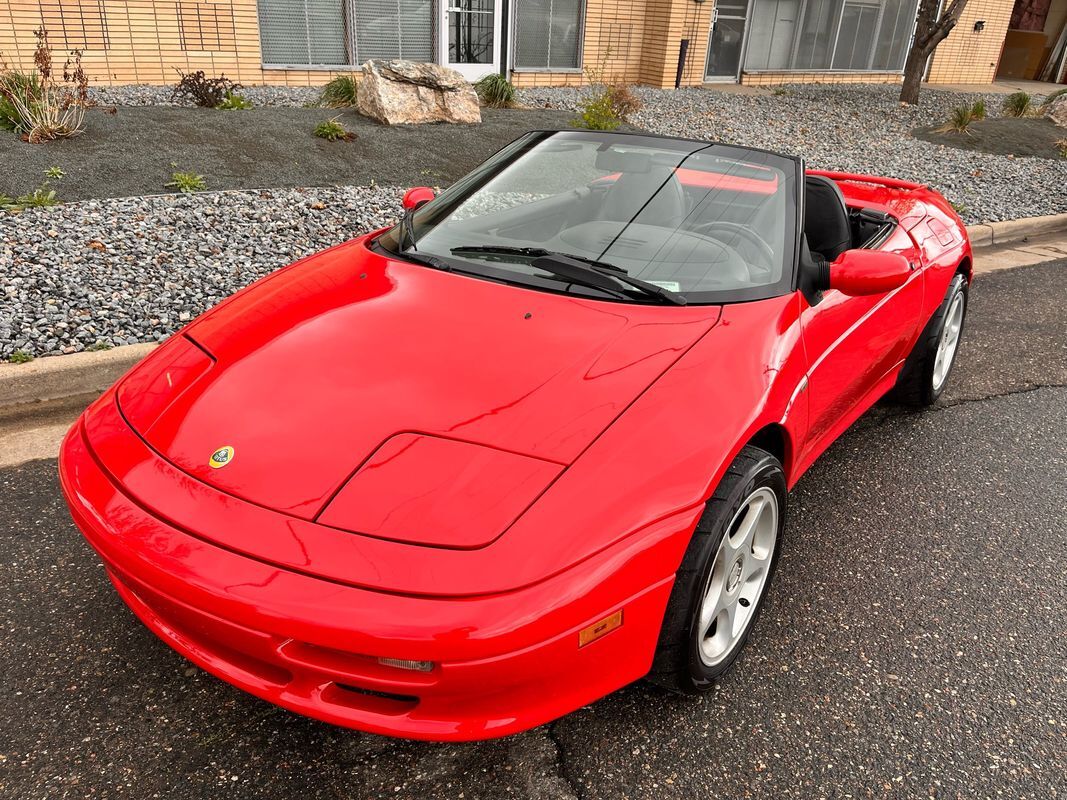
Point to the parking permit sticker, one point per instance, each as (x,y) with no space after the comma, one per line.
(670,286)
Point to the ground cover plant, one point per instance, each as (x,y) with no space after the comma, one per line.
(333,131)
(186,182)
(43,195)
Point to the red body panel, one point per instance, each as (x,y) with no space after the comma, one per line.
(432,467)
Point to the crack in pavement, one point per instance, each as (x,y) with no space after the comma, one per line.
(562,769)
(888,415)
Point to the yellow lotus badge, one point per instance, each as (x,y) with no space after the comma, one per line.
(221,457)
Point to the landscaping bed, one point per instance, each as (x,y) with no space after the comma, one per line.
(135,150)
(1006,136)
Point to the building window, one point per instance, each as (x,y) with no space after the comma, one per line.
(337,33)
(865,35)
(548,34)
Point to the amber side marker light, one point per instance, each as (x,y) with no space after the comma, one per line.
(600,628)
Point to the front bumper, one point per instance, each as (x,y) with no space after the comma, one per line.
(311,645)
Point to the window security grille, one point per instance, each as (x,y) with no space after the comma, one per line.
(338,33)
(548,34)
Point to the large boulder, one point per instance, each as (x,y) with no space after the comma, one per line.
(1057,110)
(400,92)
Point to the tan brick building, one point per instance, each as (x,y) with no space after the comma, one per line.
(537,42)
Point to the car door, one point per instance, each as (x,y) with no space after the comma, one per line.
(853,345)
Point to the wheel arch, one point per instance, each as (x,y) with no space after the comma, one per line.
(775,439)
(965,268)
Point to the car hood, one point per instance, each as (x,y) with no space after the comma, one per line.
(312,371)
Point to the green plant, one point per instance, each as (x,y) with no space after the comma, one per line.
(234,102)
(1017,104)
(495,91)
(43,195)
(780,91)
(26,87)
(610,103)
(978,110)
(959,208)
(20,357)
(186,182)
(959,120)
(98,345)
(340,92)
(204,91)
(1061,145)
(47,104)
(333,131)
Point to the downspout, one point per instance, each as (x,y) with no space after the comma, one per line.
(505,38)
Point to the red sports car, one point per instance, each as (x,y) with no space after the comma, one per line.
(457,478)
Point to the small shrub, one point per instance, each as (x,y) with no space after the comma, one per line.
(20,357)
(495,91)
(780,91)
(1017,104)
(333,131)
(204,91)
(596,114)
(47,104)
(234,102)
(978,110)
(186,182)
(340,92)
(1061,145)
(959,120)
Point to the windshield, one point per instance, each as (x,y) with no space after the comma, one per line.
(711,222)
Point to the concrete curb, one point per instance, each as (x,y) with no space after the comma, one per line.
(63,383)
(986,234)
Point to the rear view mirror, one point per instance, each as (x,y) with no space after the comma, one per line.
(419,195)
(861,272)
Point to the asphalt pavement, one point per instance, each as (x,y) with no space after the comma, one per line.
(914,643)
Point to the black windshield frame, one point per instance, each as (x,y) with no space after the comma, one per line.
(449,200)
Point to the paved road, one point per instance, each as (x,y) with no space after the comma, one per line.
(914,645)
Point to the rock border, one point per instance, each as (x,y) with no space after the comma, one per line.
(54,384)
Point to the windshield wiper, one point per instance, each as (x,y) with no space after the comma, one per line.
(407,231)
(426,260)
(579,269)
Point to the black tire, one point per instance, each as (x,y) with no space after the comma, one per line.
(915,385)
(679,664)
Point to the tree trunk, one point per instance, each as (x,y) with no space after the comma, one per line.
(930,29)
(913,76)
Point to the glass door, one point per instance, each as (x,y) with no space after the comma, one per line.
(727,38)
(471,40)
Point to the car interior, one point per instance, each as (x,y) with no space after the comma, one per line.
(710,225)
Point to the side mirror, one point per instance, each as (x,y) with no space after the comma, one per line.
(413,198)
(860,272)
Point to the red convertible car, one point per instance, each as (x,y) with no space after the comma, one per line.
(456,478)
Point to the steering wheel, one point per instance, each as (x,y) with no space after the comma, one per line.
(766,257)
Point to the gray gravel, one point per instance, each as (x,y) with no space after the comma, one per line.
(146,95)
(120,271)
(853,128)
